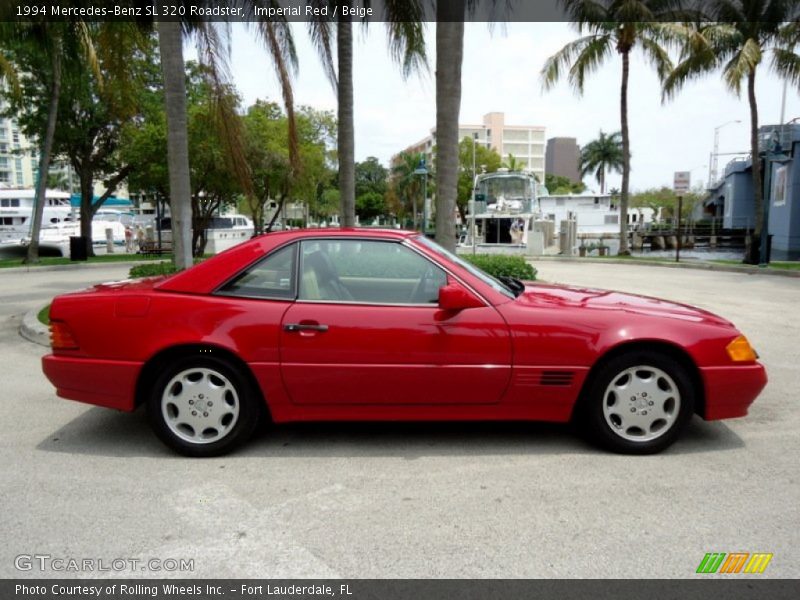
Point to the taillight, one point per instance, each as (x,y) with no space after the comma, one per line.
(61,337)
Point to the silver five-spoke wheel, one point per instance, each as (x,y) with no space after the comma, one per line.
(641,403)
(200,405)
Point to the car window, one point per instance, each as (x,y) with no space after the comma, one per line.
(367,271)
(486,278)
(272,277)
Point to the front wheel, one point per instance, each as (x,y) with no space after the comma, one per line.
(202,406)
(639,403)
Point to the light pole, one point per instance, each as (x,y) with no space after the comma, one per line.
(712,163)
(423,171)
(474,188)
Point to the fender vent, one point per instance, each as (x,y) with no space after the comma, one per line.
(557,378)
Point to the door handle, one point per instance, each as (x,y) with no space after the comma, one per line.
(294,327)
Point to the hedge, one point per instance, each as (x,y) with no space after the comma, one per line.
(496,265)
(499,265)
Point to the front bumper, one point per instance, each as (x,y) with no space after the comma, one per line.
(107,383)
(730,391)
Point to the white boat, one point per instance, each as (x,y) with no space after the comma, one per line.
(60,221)
(223,232)
(504,213)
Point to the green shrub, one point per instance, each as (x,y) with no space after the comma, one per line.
(152,269)
(506,265)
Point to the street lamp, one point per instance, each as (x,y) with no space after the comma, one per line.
(422,170)
(712,163)
(474,188)
(773,154)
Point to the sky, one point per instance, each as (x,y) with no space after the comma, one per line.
(501,73)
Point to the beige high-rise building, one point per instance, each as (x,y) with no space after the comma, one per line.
(525,142)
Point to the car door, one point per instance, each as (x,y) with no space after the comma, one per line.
(366,329)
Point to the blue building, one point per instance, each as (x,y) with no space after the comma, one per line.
(731,201)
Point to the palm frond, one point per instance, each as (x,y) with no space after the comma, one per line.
(8,74)
(787,64)
(406,36)
(275,35)
(87,44)
(566,59)
(589,60)
(586,12)
(742,64)
(657,56)
(323,38)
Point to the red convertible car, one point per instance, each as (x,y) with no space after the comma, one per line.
(322,325)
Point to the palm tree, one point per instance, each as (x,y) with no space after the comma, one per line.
(513,164)
(613,26)
(170,41)
(277,38)
(405,30)
(449,57)
(602,155)
(741,34)
(407,182)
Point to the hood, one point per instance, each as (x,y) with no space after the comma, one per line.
(543,295)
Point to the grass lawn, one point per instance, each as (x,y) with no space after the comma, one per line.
(62,260)
(44,315)
(776,264)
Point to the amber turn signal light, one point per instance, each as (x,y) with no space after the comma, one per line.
(740,350)
(61,337)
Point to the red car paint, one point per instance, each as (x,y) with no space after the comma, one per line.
(524,358)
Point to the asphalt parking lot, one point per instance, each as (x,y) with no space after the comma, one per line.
(388,500)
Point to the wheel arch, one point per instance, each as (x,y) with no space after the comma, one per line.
(153,367)
(665,347)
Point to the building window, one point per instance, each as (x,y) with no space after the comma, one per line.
(20,179)
(612,219)
(15,137)
(3,148)
(5,177)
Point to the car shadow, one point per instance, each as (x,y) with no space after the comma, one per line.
(102,432)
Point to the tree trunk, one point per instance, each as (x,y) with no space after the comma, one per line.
(626,158)
(449,56)
(44,160)
(758,192)
(87,194)
(171,46)
(346,135)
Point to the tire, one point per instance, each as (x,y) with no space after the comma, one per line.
(638,403)
(203,406)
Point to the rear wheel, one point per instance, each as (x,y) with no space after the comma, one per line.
(202,406)
(639,403)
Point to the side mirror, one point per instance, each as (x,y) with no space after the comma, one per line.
(455,297)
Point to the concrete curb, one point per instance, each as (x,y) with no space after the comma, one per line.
(105,265)
(34,330)
(699,265)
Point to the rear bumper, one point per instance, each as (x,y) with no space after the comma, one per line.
(107,383)
(731,390)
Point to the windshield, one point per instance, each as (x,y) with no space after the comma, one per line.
(486,278)
(509,187)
